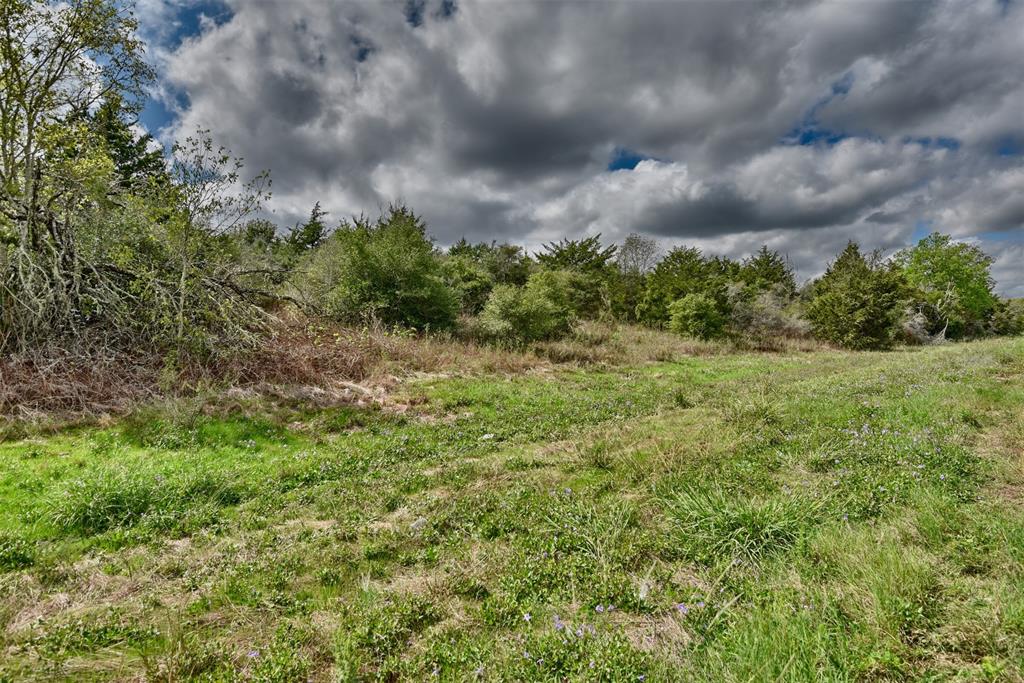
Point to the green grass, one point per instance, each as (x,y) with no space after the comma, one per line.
(815,516)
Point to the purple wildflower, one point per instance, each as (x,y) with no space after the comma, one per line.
(599,609)
(683,609)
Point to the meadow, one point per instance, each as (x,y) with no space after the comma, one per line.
(707,515)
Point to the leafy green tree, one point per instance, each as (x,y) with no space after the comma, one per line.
(952,284)
(697,315)
(507,264)
(57,59)
(1008,317)
(138,159)
(586,255)
(305,236)
(858,302)
(766,271)
(593,265)
(470,280)
(543,309)
(385,270)
(684,270)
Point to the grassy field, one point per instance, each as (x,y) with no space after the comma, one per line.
(740,517)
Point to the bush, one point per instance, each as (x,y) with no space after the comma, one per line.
(857,303)
(696,315)
(523,314)
(385,271)
(766,315)
(683,271)
(470,281)
(1008,318)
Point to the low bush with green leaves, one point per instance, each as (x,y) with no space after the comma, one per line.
(379,271)
(540,310)
(696,315)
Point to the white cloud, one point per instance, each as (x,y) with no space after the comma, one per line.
(497,122)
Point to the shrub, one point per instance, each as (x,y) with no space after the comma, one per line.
(696,315)
(524,314)
(384,271)
(765,315)
(1008,318)
(470,281)
(683,271)
(857,303)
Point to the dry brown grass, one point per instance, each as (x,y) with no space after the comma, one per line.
(57,385)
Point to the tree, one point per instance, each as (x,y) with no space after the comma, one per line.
(696,315)
(767,270)
(202,192)
(469,279)
(585,255)
(635,258)
(385,271)
(508,264)
(305,236)
(684,270)
(138,159)
(857,303)
(516,315)
(637,255)
(56,60)
(594,268)
(953,284)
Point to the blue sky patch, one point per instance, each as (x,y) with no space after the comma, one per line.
(1010,146)
(809,130)
(624,159)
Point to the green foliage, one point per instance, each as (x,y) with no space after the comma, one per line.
(696,315)
(586,255)
(683,271)
(138,159)
(541,310)
(592,273)
(952,284)
(857,303)
(507,264)
(385,271)
(470,280)
(767,271)
(305,236)
(1008,317)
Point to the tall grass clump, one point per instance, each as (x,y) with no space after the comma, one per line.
(111,499)
(709,525)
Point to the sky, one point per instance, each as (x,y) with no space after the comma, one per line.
(723,125)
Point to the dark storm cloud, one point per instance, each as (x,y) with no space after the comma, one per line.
(499,120)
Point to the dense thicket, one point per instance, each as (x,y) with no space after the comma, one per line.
(103,235)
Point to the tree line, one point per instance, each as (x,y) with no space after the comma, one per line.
(103,237)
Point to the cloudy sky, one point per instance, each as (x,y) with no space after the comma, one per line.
(724,125)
